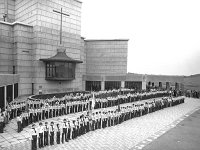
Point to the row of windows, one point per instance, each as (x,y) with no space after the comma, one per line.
(109,85)
(9,94)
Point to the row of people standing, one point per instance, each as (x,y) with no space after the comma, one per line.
(57,133)
(192,93)
(33,111)
(60,108)
(127,98)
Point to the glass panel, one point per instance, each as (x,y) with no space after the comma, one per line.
(60,70)
(137,85)
(93,85)
(109,85)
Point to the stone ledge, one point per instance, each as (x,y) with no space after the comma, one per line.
(15,23)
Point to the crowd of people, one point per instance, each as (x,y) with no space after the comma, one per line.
(192,93)
(56,133)
(36,110)
(31,111)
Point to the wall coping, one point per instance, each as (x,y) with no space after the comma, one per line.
(91,40)
(16,23)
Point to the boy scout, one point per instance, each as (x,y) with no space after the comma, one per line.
(33,138)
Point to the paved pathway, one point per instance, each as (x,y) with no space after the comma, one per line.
(128,135)
(185,136)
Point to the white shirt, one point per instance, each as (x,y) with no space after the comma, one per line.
(41,129)
(33,131)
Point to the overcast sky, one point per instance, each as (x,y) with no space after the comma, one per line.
(164,35)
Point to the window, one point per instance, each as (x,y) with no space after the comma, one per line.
(137,85)
(15,90)
(109,85)
(60,71)
(93,85)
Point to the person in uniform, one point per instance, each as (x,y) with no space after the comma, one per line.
(19,123)
(69,130)
(33,138)
(46,134)
(23,120)
(73,128)
(52,133)
(58,133)
(64,132)
(1,122)
(77,128)
(41,132)
(87,126)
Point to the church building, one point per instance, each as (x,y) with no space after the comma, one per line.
(42,51)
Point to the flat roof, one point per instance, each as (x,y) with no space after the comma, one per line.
(91,40)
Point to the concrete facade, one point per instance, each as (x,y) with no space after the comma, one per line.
(31,31)
(16,53)
(106,57)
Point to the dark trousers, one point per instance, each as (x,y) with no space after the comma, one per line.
(58,137)
(34,142)
(46,142)
(68,133)
(19,126)
(64,135)
(1,127)
(51,138)
(73,133)
(40,140)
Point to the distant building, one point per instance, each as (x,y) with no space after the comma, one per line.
(32,60)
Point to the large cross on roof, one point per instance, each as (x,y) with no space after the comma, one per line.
(61,13)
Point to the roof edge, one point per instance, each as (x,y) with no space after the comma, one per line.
(91,40)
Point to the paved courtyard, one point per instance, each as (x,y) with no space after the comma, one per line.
(132,134)
(185,136)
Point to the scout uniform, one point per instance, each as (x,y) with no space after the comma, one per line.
(58,133)
(41,132)
(46,134)
(19,124)
(1,122)
(64,132)
(72,129)
(52,129)
(33,138)
(69,130)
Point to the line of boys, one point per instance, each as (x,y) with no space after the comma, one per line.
(128,98)
(15,109)
(35,115)
(72,129)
